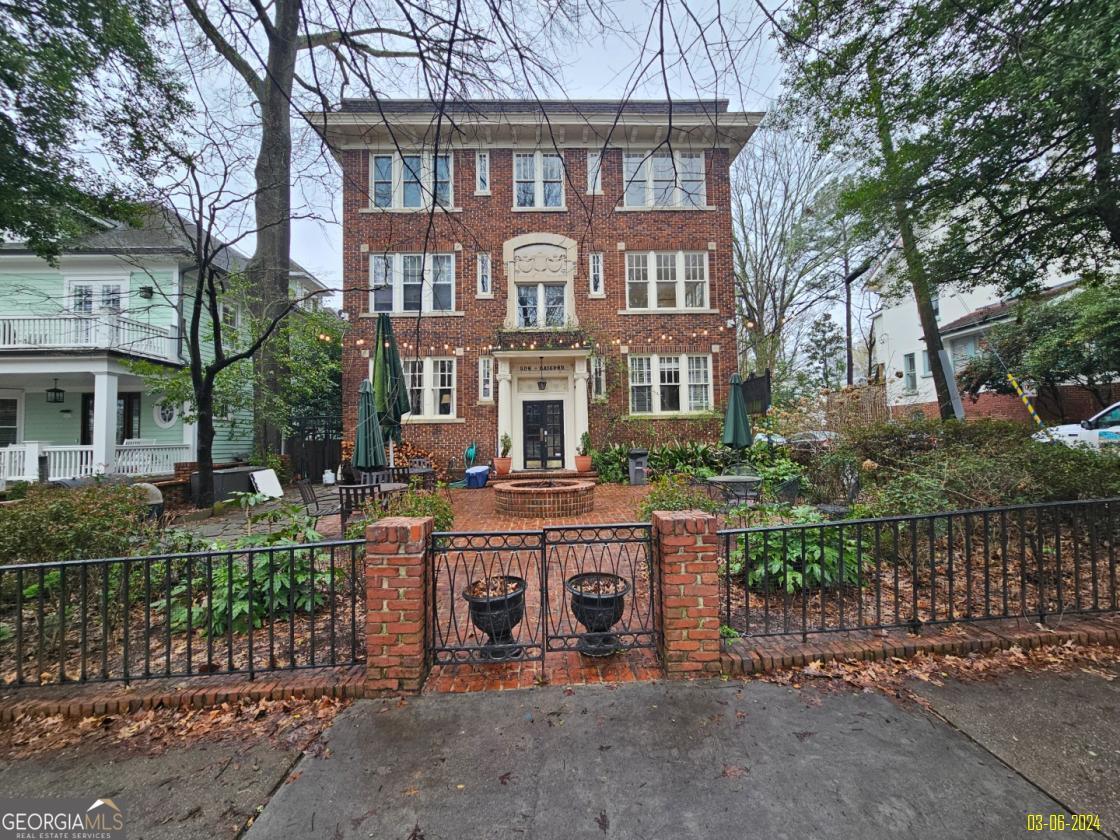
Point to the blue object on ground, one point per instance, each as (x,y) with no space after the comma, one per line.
(476,477)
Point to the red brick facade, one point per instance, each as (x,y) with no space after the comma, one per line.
(688,570)
(484,224)
(1076,404)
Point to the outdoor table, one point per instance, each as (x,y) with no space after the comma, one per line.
(736,488)
(389,487)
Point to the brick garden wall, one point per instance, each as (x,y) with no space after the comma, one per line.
(1077,404)
(484,224)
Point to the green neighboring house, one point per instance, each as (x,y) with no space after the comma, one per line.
(67,334)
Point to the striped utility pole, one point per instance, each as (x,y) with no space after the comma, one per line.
(1026,400)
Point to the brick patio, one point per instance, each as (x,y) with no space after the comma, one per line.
(477,510)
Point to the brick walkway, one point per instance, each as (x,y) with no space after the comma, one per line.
(476,510)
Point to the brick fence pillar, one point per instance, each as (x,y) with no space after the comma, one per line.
(688,587)
(396,604)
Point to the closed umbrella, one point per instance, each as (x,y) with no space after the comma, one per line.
(369,446)
(390,396)
(736,423)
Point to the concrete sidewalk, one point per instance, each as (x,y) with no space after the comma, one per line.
(713,760)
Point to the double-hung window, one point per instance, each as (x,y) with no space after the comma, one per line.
(431,386)
(538,180)
(667,280)
(671,374)
(594,173)
(411,283)
(595,274)
(484,279)
(541,305)
(485,378)
(663,179)
(598,378)
(482,173)
(410,181)
(910,374)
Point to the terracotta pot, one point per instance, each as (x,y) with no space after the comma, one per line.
(502,465)
(583,463)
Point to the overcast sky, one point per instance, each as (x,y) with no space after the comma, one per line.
(600,68)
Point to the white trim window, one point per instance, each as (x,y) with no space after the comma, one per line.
(541,305)
(595,274)
(594,172)
(165,414)
(482,172)
(598,378)
(484,277)
(657,384)
(909,374)
(409,283)
(431,383)
(538,180)
(11,414)
(663,179)
(410,181)
(667,280)
(90,297)
(486,379)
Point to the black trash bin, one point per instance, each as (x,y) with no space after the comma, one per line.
(639,461)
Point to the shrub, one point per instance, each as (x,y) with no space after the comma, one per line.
(774,465)
(773,560)
(1063,472)
(15,490)
(412,502)
(690,458)
(670,493)
(612,463)
(57,523)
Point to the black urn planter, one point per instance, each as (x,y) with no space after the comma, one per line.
(598,600)
(497,616)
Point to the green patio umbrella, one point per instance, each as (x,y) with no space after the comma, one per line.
(736,423)
(390,396)
(369,446)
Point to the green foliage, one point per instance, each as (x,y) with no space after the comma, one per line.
(15,490)
(507,443)
(795,558)
(272,461)
(612,463)
(77,74)
(584,444)
(691,458)
(674,493)
(414,503)
(1071,339)
(774,465)
(55,523)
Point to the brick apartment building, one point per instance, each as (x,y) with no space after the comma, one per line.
(550,267)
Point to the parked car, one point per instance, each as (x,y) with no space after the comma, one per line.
(812,441)
(1102,429)
(771,438)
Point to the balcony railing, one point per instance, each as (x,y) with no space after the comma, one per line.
(73,461)
(70,331)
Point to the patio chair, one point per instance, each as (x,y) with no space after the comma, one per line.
(381,476)
(787,492)
(312,504)
(401,475)
(420,462)
(352,497)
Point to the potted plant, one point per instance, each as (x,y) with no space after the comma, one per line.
(583,453)
(503,462)
(497,605)
(598,600)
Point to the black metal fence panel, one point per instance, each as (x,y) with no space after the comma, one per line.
(237,611)
(1030,561)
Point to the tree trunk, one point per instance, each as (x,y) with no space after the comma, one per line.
(268,270)
(849,358)
(915,264)
(205,449)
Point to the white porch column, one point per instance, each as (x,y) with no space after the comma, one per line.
(581,398)
(104,422)
(505,403)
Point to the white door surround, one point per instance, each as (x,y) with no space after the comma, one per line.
(564,373)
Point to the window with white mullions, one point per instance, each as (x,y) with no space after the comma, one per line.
(676,280)
(411,283)
(541,305)
(485,378)
(431,387)
(594,173)
(598,378)
(411,181)
(538,180)
(663,179)
(482,173)
(484,287)
(595,274)
(667,397)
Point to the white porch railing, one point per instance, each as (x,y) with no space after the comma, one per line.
(69,331)
(19,462)
(150,459)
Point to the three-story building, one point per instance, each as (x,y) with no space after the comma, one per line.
(550,267)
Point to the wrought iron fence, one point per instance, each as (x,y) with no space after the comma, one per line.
(1032,561)
(497,597)
(237,611)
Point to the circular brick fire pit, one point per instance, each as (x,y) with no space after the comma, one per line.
(540,497)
